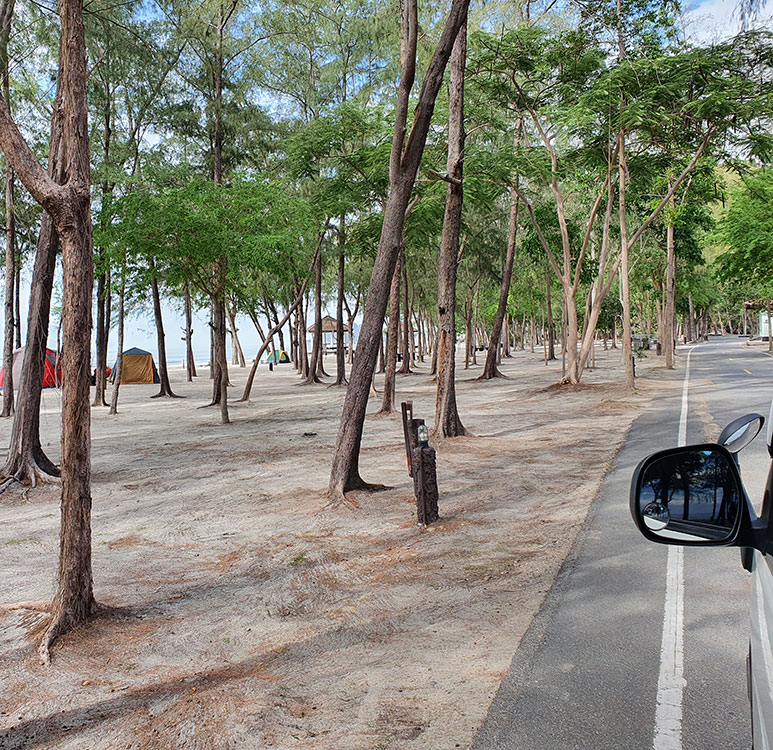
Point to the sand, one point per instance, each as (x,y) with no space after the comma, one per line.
(239,613)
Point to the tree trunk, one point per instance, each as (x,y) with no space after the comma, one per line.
(490,367)
(100,380)
(296,305)
(405,368)
(10,276)
(316,347)
(221,360)
(551,333)
(433,361)
(212,366)
(10,229)
(691,320)
(190,362)
(468,340)
(69,205)
(341,333)
(448,423)
(119,359)
(26,460)
(393,331)
(624,271)
(404,163)
(237,355)
(163,372)
(669,313)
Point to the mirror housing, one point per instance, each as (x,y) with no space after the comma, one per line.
(692,496)
(740,432)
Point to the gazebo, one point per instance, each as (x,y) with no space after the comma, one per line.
(330,334)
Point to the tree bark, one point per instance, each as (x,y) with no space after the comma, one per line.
(190,362)
(69,206)
(163,372)
(404,163)
(26,460)
(220,386)
(10,279)
(341,333)
(100,380)
(237,355)
(624,249)
(490,367)
(448,423)
(669,313)
(10,228)
(405,367)
(316,347)
(390,352)
(119,359)
(296,305)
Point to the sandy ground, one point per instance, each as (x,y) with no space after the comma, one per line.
(240,614)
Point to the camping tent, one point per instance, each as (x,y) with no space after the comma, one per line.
(281,357)
(52,369)
(138,367)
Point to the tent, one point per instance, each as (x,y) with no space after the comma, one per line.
(281,357)
(138,367)
(52,369)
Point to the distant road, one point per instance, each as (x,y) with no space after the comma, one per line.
(586,673)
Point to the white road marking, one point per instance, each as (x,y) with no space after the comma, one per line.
(671,682)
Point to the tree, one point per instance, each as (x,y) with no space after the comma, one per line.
(403,165)
(69,207)
(747,228)
(448,423)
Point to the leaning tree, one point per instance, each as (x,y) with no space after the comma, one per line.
(407,149)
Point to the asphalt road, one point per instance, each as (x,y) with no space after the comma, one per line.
(586,672)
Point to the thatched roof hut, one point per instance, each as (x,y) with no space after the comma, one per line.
(329,325)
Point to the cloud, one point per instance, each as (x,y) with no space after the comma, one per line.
(715,20)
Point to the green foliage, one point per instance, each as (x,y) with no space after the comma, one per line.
(747,228)
(180,233)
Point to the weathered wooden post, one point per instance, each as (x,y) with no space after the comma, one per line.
(422,466)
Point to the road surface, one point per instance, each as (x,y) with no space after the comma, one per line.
(587,672)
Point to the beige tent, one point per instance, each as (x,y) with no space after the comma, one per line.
(137,367)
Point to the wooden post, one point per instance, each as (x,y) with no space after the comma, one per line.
(425,484)
(408,433)
(422,466)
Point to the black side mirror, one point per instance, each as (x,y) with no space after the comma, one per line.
(691,496)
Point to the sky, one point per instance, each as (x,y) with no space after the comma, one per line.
(706,21)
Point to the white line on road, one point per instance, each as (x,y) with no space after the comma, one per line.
(671,682)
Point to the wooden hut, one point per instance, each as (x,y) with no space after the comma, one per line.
(330,334)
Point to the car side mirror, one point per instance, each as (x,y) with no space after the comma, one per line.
(690,496)
(740,432)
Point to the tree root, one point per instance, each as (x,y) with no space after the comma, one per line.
(167,395)
(33,606)
(59,625)
(497,374)
(337,498)
(439,438)
(56,626)
(28,471)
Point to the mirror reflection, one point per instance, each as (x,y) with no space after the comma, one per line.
(691,495)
